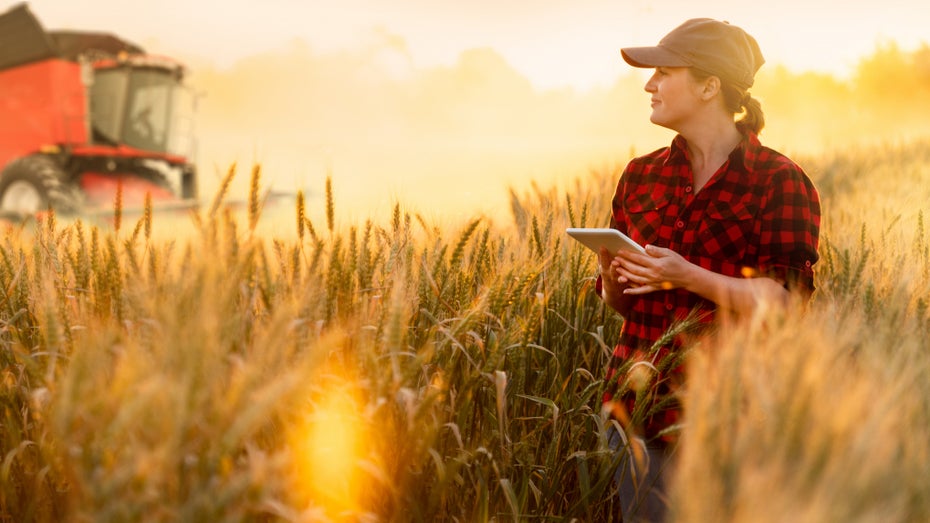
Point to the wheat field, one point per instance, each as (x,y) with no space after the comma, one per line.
(409,371)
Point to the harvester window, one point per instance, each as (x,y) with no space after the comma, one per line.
(134,106)
(108,96)
(146,125)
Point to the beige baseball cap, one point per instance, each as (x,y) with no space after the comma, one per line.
(715,47)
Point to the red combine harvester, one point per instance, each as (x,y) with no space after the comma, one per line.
(83,113)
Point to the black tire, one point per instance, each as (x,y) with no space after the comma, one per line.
(42,182)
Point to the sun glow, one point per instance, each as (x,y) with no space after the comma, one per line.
(328,448)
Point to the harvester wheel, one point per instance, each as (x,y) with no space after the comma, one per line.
(33,184)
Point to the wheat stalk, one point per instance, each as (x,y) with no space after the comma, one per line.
(118,205)
(330,205)
(301,217)
(221,191)
(255,203)
(147,215)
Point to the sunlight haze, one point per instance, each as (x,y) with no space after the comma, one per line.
(554,43)
(444,105)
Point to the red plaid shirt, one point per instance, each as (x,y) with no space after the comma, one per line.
(759,215)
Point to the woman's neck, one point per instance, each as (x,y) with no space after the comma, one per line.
(709,147)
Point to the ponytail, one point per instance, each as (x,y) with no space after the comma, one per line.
(752,120)
(738,102)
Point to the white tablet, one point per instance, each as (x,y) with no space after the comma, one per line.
(595,238)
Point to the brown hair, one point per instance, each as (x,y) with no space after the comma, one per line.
(738,102)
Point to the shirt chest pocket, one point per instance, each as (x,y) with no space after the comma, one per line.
(646,213)
(726,231)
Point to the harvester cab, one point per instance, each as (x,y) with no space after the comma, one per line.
(84,116)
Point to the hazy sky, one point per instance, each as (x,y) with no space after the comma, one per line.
(552,42)
(428,100)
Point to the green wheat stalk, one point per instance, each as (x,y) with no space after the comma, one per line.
(459,250)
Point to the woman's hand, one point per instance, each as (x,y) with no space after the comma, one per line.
(664,269)
(612,288)
(658,269)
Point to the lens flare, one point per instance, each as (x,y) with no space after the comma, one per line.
(328,449)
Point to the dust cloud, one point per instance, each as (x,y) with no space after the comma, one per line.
(442,140)
(449,141)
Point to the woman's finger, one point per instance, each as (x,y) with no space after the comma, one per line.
(629,275)
(639,289)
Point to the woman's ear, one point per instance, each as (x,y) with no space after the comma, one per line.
(710,88)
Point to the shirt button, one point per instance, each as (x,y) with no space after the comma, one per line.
(688,188)
(680,224)
(669,306)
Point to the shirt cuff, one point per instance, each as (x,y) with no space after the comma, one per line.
(792,278)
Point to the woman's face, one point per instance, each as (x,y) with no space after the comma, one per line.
(675,96)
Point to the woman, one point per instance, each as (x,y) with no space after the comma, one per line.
(728,225)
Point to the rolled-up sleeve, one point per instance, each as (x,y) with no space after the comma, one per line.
(790,230)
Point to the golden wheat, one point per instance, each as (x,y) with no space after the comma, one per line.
(446,373)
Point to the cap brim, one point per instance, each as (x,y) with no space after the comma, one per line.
(652,57)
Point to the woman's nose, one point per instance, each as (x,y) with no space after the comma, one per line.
(650,86)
